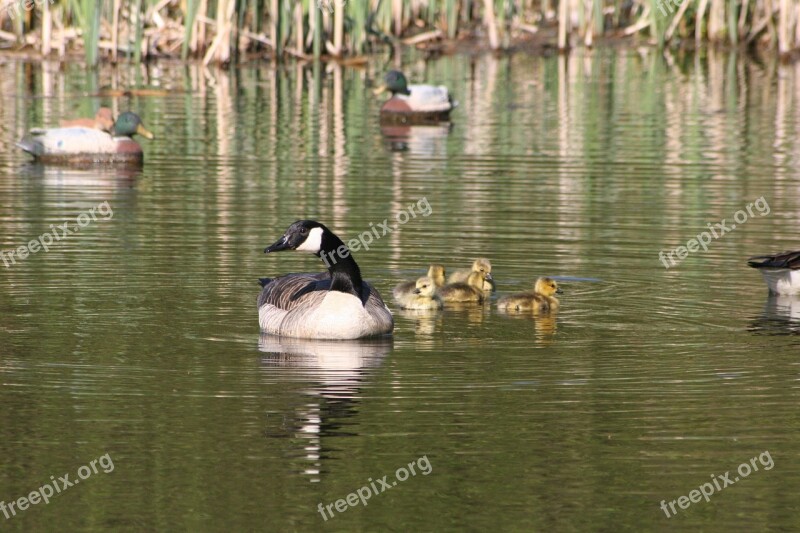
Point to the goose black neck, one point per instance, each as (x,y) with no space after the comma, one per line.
(345,274)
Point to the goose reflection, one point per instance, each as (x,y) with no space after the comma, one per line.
(336,369)
(781,316)
(418,140)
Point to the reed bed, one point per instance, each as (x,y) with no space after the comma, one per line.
(224,31)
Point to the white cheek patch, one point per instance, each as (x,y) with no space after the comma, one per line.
(313,242)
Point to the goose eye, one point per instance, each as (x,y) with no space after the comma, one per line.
(303,231)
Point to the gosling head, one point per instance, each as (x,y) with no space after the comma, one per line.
(303,236)
(436,273)
(484,267)
(547,287)
(425,287)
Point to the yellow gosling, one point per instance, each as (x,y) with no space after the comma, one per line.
(483,267)
(542,298)
(471,291)
(435,272)
(423,296)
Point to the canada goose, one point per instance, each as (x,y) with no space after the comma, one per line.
(336,304)
(414,104)
(483,267)
(423,296)
(435,272)
(540,299)
(781,271)
(471,291)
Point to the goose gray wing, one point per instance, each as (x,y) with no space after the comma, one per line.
(292,290)
(789,260)
(374,303)
(301,305)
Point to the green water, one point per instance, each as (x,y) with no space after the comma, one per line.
(137,336)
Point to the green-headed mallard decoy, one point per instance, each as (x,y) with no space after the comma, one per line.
(88,145)
(414,103)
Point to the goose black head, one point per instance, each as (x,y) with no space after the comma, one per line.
(311,236)
(303,236)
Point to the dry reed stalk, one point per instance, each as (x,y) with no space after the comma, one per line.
(563,23)
(676,20)
(423,37)
(491,24)
(397,16)
(698,23)
(716,21)
(47,28)
(338,27)
(115,31)
(275,26)
(298,23)
(785,11)
(743,15)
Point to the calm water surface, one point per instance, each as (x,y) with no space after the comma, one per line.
(137,336)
